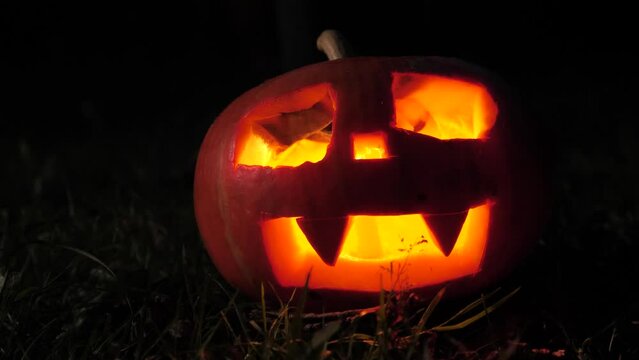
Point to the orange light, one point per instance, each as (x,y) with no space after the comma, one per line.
(257,152)
(253,148)
(369,146)
(400,250)
(442,107)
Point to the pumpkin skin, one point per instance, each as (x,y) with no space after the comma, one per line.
(248,211)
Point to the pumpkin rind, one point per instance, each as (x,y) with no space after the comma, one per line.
(231,201)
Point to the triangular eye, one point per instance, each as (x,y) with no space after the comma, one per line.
(287,131)
(442,107)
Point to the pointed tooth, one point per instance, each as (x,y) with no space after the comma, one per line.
(446,228)
(325,236)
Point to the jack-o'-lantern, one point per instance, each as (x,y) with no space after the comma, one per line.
(367,173)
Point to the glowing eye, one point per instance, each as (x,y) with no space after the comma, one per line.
(442,107)
(287,131)
(369,146)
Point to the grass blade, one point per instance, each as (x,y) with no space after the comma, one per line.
(294,335)
(263,303)
(84,253)
(469,307)
(474,318)
(422,321)
(322,336)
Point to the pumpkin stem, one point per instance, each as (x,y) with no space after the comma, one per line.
(333,44)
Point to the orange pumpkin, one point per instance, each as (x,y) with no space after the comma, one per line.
(367,173)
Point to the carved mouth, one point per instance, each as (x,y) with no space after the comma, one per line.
(366,253)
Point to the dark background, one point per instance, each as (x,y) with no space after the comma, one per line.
(105,95)
(74,71)
(84,74)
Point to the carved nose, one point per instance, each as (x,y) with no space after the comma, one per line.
(367,146)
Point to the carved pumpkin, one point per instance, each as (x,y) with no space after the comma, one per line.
(368,173)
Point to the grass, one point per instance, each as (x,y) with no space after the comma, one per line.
(100,258)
